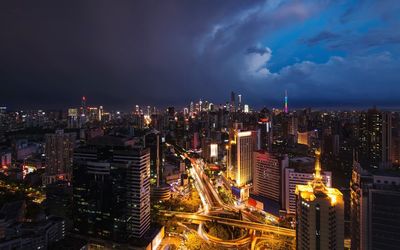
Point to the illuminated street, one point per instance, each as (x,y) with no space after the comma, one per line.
(212,204)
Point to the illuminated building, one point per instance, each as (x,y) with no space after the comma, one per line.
(73,118)
(83,106)
(153,141)
(319,214)
(265,138)
(246,108)
(240,157)
(214,150)
(374,206)
(300,172)
(5,158)
(59,149)
(239,103)
(111,189)
(267,175)
(375,139)
(233,103)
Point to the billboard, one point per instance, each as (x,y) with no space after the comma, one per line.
(213,150)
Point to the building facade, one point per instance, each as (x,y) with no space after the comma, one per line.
(111,191)
(240,157)
(59,150)
(375,209)
(298,175)
(267,175)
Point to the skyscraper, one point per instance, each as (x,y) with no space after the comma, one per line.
(239,103)
(267,175)
(233,103)
(320,214)
(375,135)
(59,149)
(374,206)
(240,157)
(111,189)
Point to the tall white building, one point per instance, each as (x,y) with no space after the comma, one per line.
(138,192)
(240,157)
(319,214)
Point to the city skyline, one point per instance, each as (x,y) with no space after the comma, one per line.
(200,125)
(324,53)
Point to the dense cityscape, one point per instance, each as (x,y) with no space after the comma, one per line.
(200,125)
(204,176)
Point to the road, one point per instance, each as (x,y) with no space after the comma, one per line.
(213,203)
(232,222)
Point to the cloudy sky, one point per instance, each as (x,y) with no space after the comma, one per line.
(327,53)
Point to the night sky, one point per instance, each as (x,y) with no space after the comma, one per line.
(121,53)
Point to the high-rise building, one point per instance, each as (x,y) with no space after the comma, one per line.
(319,214)
(153,141)
(240,157)
(233,103)
(375,139)
(239,103)
(299,172)
(59,149)
(265,137)
(111,189)
(374,206)
(267,175)
(73,118)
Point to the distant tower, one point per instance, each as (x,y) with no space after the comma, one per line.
(233,106)
(240,102)
(286,103)
(83,105)
(83,101)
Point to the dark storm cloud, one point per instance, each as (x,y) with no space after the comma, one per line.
(116,53)
(122,53)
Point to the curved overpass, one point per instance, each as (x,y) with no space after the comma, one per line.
(233,222)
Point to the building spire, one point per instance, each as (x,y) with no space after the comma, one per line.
(317,182)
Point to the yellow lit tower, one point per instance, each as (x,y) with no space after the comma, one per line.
(319,214)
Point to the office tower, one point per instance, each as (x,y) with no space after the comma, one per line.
(246,108)
(59,149)
(191,109)
(73,118)
(239,103)
(240,157)
(153,141)
(375,136)
(101,111)
(319,214)
(299,172)
(111,189)
(286,103)
(233,103)
(267,175)
(265,134)
(374,206)
(93,114)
